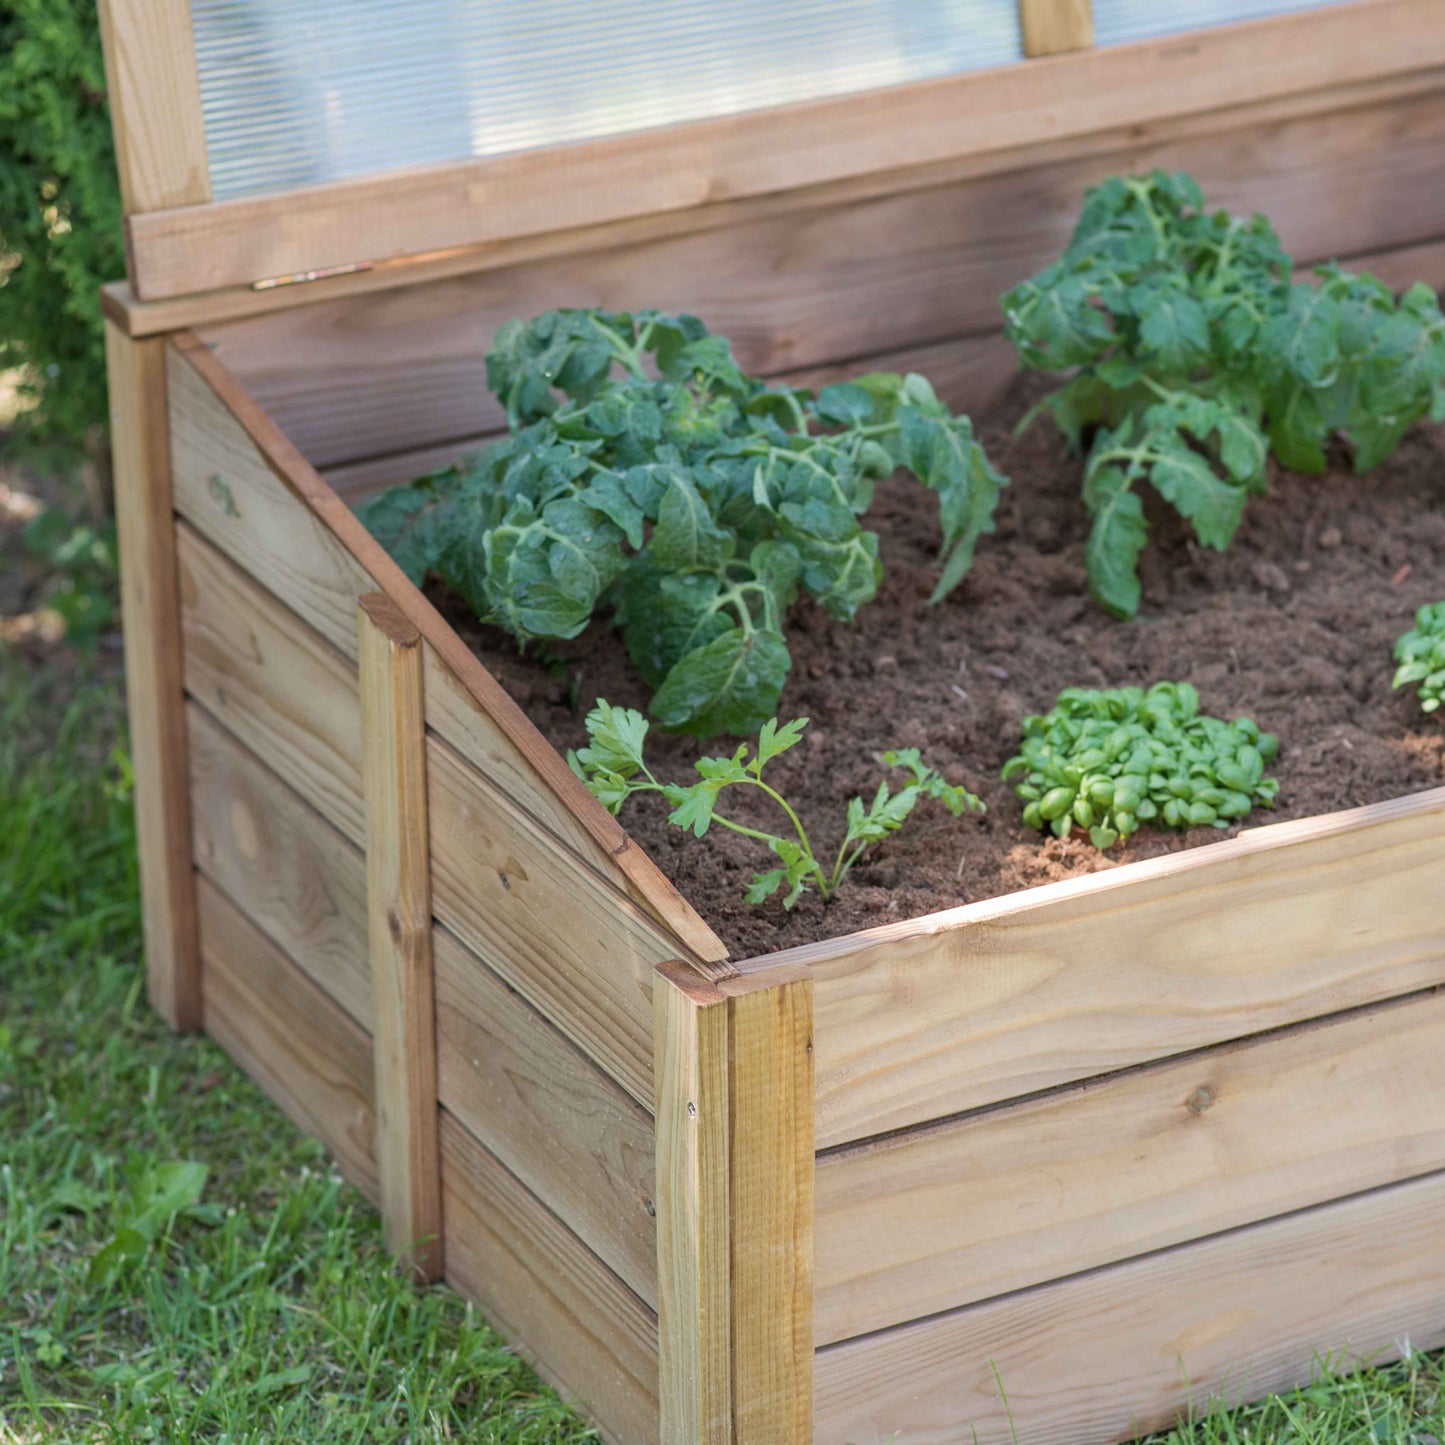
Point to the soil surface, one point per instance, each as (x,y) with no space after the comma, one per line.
(1293,626)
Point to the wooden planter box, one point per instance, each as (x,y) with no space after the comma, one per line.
(1047,1167)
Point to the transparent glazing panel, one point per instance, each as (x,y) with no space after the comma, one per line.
(1116,21)
(297,92)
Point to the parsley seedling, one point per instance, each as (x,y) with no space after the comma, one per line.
(1421,655)
(613,768)
(1193,354)
(1112,761)
(646,475)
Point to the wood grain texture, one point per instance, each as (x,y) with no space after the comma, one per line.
(694,1216)
(383,373)
(271,681)
(1053,27)
(995,1000)
(578,1324)
(944,1216)
(770,1201)
(684,166)
(547,1112)
(1126,1349)
(398,898)
(288,870)
(249,491)
(289,1036)
(580,951)
(155,104)
(151,612)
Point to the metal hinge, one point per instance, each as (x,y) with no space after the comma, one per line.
(301,277)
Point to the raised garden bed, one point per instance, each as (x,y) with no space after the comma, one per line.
(1052,1160)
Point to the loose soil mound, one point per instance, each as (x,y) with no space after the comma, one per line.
(1292,626)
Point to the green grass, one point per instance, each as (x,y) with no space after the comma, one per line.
(259,1307)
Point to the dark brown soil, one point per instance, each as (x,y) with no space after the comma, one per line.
(1293,626)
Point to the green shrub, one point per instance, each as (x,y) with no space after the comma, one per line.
(59,217)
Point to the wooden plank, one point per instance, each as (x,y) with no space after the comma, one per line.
(548,1113)
(578,950)
(289,871)
(1052,27)
(1122,1351)
(693,1213)
(1003,998)
(150,609)
(398,897)
(271,681)
(312,1059)
(245,487)
(578,1324)
(683,166)
(354,482)
(770,1201)
(358,376)
(947,1215)
(154,93)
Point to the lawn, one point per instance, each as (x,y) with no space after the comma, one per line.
(178,1263)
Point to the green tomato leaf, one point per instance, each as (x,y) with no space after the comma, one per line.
(731,685)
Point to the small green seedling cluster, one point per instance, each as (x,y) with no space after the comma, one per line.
(613,768)
(1112,761)
(1421,655)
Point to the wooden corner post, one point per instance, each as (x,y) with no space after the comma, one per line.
(398,892)
(155,682)
(734,1197)
(1054,27)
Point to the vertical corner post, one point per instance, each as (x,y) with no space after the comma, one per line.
(398,891)
(1052,27)
(734,1071)
(155,679)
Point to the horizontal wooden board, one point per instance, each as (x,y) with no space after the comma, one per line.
(271,681)
(1121,1351)
(351,378)
(683,167)
(949,1215)
(284,866)
(582,1328)
(242,485)
(994,1000)
(546,1111)
(577,949)
(312,1059)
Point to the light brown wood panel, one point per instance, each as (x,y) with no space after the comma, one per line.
(1052,27)
(578,1324)
(578,950)
(680,167)
(547,1112)
(155,103)
(151,611)
(312,1059)
(948,1215)
(694,1219)
(354,482)
(247,489)
(999,999)
(271,681)
(1125,1350)
(382,373)
(399,923)
(287,869)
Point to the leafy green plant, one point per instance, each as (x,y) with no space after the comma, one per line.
(647,475)
(613,767)
(1421,655)
(1113,761)
(1193,354)
(60,233)
(84,571)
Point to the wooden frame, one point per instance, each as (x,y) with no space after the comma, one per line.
(1106,1147)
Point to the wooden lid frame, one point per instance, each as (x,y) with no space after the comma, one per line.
(180,243)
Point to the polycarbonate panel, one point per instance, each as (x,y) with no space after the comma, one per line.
(1116,21)
(297,92)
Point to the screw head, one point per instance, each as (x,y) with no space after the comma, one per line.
(1200,1100)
